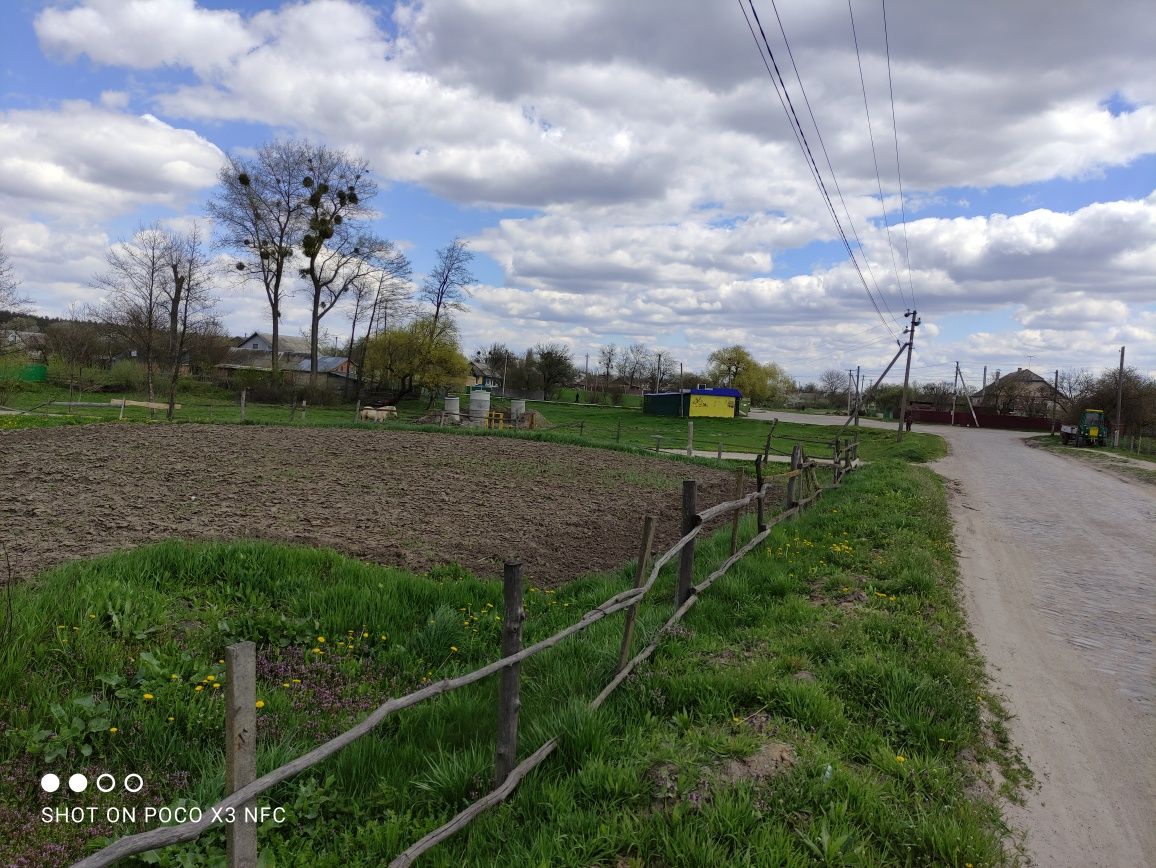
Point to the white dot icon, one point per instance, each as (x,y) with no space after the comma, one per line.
(50,783)
(78,783)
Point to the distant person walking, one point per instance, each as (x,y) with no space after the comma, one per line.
(907,419)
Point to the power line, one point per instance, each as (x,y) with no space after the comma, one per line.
(874,156)
(801,138)
(898,171)
(827,158)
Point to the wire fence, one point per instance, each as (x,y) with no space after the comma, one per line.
(802,489)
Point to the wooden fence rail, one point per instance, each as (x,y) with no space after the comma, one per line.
(801,477)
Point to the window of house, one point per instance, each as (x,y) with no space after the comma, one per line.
(254,345)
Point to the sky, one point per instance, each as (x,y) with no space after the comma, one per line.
(625,171)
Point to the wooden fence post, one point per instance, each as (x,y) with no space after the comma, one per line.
(582,428)
(835,458)
(792,483)
(639,579)
(720,450)
(657,441)
(739,485)
(508,700)
(760,507)
(690,439)
(618,432)
(686,556)
(241,748)
(243,405)
(121,416)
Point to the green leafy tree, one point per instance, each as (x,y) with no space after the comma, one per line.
(406,361)
(735,367)
(555,364)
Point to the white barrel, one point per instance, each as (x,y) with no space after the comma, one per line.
(517,410)
(479,406)
(453,408)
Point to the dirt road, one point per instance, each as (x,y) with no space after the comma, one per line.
(1059,578)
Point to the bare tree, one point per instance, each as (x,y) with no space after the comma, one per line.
(338,255)
(607,356)
(391,280)
(555,364)
(633,362)
(187,298)
(259,210)
(9,300)
(448,282)
(134,289)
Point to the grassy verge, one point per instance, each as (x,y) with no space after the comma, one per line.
(1117,460)
(822,703)
(737,435)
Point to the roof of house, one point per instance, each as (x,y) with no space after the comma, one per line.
(1024,376)
(325,364)
(285,343)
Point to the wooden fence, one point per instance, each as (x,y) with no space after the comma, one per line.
(802,489)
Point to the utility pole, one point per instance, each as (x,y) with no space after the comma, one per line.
(858,394)
(850,387)
(680,392)
(984,386)
(1119,401)
(658,374)
(954,392)
(588,374)
(910,332)
(1055,400)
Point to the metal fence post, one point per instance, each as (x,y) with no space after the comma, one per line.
(241,748)
(686,556)
(508,699)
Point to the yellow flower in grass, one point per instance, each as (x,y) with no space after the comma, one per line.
(900,758)
(113,730)
(171,718)
(285,684)
(210,678)
(296,680)
(148,697)
(316,650)
(215,686)
(453,649)
(199,688)
(260,703)
(320,640)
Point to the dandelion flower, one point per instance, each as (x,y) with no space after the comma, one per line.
(148,697)
(320,640)
(171,718)
(296,680)
(210,677)
(316,650)
(899,758)
(113,730)
(216,686)
(260,703)
(364,635)
(199,688)
(220,661)
(453,649)
(174,677)
(285,684)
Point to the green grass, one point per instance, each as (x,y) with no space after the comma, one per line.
(1105,455)
(737,435)
(840,638)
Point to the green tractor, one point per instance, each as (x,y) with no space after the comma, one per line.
(1092,430)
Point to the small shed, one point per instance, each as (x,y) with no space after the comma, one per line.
(717,402)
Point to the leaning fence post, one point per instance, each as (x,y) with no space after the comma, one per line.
(639,578)
(508,701)
(121,416)
(792,482)
(241,748)
(686,556)
(738,513)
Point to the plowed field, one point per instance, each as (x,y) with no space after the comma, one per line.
(405,499)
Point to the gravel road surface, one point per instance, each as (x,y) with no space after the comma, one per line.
(1059,577)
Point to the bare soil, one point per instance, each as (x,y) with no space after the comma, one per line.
(406,499)
(1058,566)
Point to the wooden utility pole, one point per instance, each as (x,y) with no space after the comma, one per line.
(850,388)
(858,393)
(1055,400)
(1119,401)
(954,392)
(910,332)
